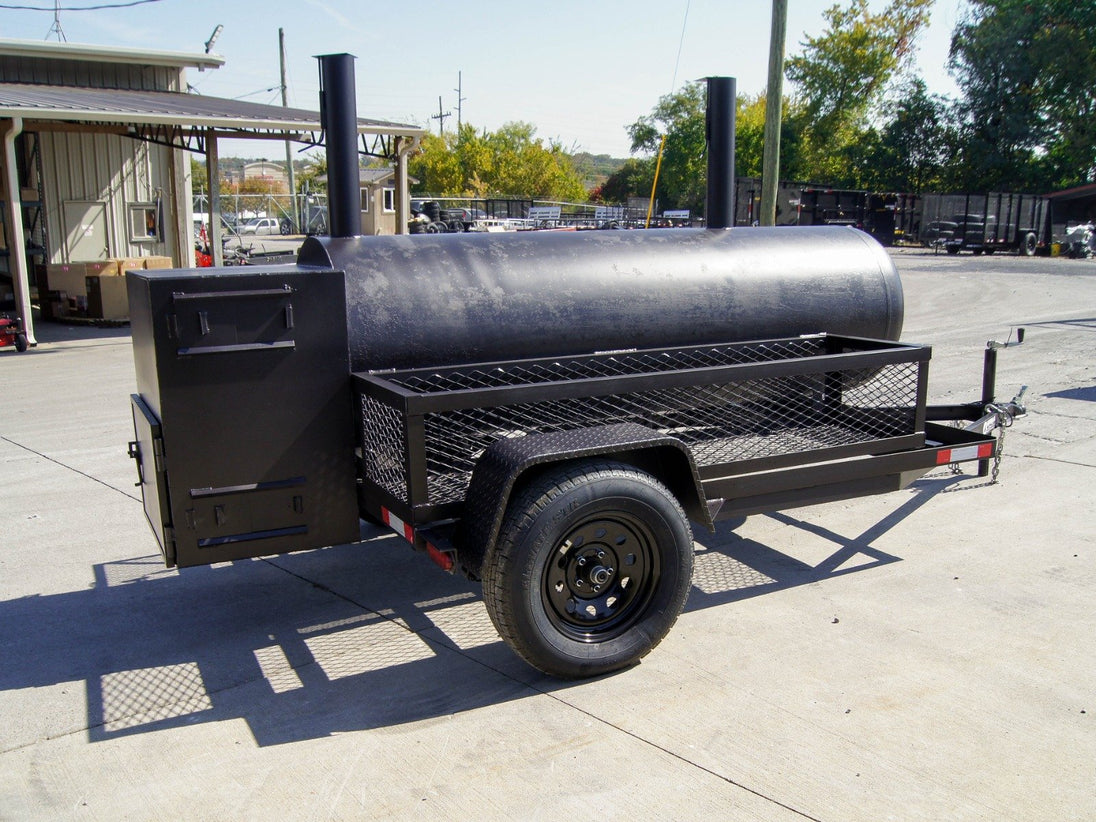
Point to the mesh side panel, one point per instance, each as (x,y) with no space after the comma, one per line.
(383,437)
(615,365)
(731,422)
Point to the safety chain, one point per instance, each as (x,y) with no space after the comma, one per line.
(1004,421)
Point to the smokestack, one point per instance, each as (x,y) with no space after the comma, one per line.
(719,132)
(339,117)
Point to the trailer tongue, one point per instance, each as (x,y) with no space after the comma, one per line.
(545,412)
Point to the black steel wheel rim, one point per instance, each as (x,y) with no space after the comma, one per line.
(601,577)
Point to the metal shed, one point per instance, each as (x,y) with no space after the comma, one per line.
(92,163)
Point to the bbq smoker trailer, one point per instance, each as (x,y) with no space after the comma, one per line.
(545,412)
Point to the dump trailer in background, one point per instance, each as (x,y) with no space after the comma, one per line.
(869,211)
(986,223)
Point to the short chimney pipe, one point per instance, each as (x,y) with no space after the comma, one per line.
(719,133)
(339,118)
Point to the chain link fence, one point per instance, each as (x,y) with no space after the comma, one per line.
(296,214)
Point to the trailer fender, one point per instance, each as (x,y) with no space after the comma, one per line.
(509,463)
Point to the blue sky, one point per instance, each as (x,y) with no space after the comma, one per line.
(579,71)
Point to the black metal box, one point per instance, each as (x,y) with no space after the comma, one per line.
(245,431)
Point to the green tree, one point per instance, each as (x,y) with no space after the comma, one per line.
(437,168)
(511,161)
(680,117)
(913,150)
(841,76)
(199,177)
(311,171)
(633,179)
(749,141)
(682,180)
(1029,103)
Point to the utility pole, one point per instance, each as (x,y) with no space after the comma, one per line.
(460,100)
(294,214)
(774,103)
(440,117)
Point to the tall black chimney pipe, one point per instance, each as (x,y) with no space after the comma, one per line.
(339,117)
(719,132)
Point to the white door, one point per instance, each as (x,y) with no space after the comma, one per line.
(86,231)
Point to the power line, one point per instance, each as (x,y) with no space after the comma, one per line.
(680,45)
(58,7)
(259,91)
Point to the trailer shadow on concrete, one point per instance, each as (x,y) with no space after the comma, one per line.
(355,637)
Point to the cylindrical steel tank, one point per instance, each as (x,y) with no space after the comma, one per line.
(433,300)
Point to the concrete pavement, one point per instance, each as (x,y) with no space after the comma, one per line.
(920,655)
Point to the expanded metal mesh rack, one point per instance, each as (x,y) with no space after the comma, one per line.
(739,407)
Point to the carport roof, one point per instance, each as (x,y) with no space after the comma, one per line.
(1083,192)
(174,117)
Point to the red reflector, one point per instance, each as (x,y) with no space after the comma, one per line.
(443,560)
(982,451)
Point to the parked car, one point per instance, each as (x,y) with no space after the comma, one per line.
(201,223)
(262,225)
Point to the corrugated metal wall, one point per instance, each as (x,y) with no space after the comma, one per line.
(90,74)
(111,169)
(88,167)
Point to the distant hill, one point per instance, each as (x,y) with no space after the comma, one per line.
(595,169)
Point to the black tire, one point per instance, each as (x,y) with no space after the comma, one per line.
(20,342)
(953,249)
(591,569)
(1030,244)
(284,227)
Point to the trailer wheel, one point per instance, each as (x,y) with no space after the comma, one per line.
(591,569)
(1031,243)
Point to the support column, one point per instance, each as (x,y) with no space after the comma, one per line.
(403,206)
(13,220)
(213,175)
(182,203)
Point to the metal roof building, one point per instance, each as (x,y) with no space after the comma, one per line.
(93,162)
